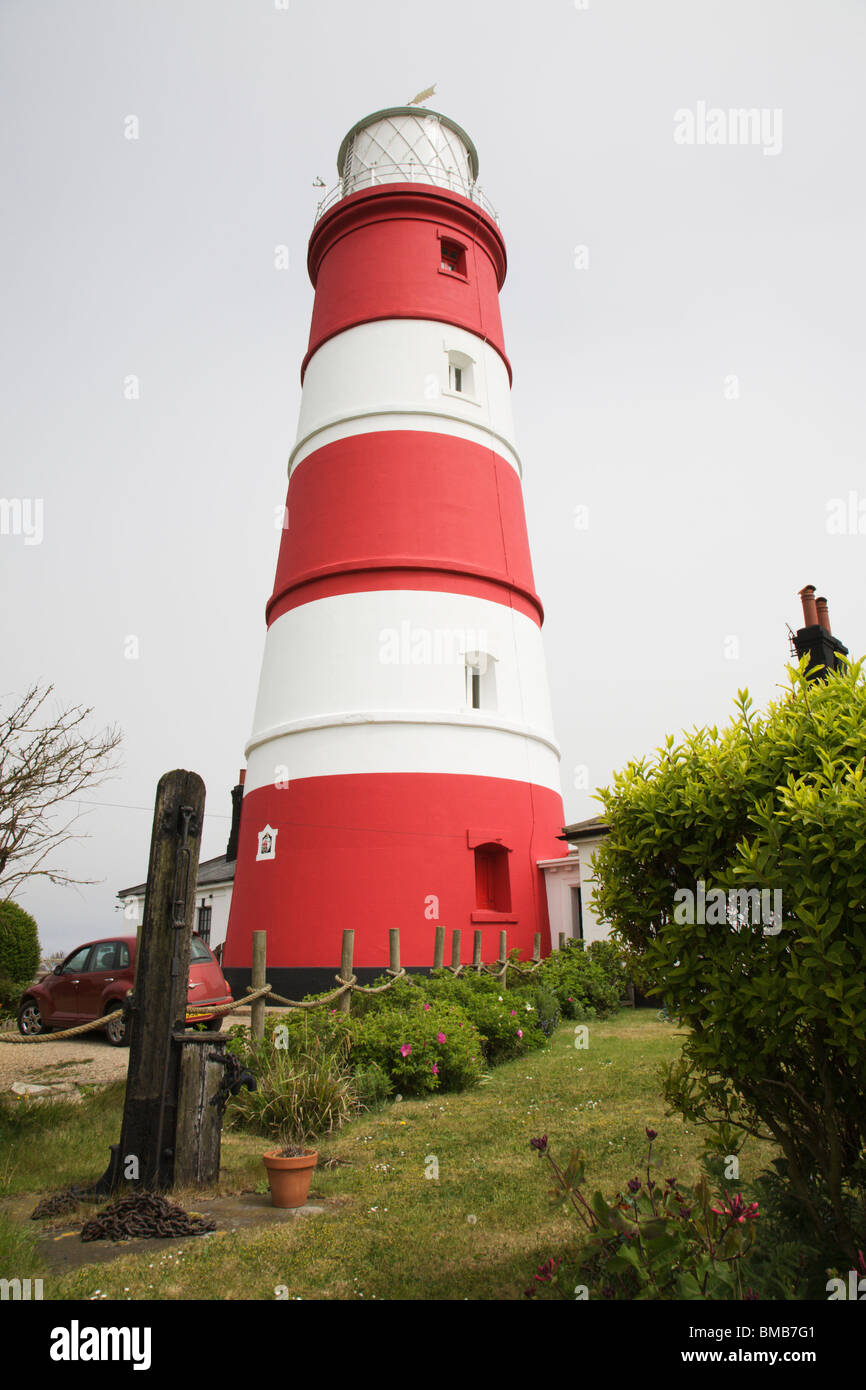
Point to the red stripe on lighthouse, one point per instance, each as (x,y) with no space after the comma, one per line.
(397,501)
(341,839)
(378,255)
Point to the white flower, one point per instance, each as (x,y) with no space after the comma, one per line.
(472,1220)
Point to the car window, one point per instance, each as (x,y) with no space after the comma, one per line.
(104,956)
(198,950)
(76,962)
(122,956)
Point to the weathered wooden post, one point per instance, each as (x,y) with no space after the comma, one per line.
(455,948)
(258,977)
(476,950)
(345,1000)
(503,957)
(536,946)
(394,950)
(439,949)
(562,941)
(146,1153)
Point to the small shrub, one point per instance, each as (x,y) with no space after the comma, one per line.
(547,1010)
(506,1019)
(584,984)
(19,944)
(373,1085)
(302,1092)
(420,1050)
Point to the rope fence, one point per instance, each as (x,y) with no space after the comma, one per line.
(259,993)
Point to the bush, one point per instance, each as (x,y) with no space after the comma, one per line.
(547,1010)
(419,1049)
(19,944)
(373,1085)
(776,1008)
(506,1019)
(585,985)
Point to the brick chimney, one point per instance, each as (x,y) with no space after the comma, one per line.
(815,639)
(237,801)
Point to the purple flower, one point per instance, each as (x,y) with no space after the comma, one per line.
(651,1134)
(634,1185)
(540,1144)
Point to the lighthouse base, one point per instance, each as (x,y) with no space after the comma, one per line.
(372,852)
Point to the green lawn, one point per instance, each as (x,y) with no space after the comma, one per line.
(477,1232)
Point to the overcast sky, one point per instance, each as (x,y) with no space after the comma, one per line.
(688,388)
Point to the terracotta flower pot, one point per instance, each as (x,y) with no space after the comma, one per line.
(289,1178)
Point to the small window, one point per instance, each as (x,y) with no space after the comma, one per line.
(203,922)
(452,257)
(461,374)
(480,681)
(197,950)
(492,888)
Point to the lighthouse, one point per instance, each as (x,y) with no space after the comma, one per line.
(402,769)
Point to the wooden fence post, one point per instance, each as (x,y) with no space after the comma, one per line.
(160,997)
(562,941)
(476,950)
(439,949)
(257,978)
(345,1000)
(394,948)
(503,957)
(536,946)
(455,948)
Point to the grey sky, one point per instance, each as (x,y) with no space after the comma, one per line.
(155,257)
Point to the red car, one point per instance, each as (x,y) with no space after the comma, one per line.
(94,980)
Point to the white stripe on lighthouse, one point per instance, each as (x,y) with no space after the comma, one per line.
(365,663)
(396,374)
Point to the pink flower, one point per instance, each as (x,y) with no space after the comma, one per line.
(440,1037)
(435,1069)
(520,1032)
(405,1050)
(426,1008)
(513,1012)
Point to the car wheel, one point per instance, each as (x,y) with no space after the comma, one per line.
(116,1031)
(30,1020)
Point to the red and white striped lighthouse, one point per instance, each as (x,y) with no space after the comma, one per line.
(402,769)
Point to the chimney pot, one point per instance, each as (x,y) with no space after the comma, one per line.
(823,614)
(810,611)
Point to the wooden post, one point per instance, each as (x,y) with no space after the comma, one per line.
(455,948)
(562,941)
(394,946)
(257,979)
(145,1155)
(503,957)
(439,949)
(536,946)
(476,950)
(345,1000)
(199,1121)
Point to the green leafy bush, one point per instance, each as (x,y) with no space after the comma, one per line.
(585,985)
(373,1085)
(420,1049)
(20,953)
(506,1019)
(547,1010)
(775,1010)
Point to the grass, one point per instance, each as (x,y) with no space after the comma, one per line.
(389,1231)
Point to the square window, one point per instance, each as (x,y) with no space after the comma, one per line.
(452,257)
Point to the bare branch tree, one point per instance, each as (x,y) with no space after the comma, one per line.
(46,760)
